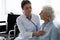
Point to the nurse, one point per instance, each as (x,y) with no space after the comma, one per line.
(51,32)
(28,23)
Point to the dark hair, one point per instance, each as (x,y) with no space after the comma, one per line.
(24,2)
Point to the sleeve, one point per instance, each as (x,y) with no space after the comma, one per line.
(23,32)
(54,34)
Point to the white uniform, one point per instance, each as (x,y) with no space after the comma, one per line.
(26,27)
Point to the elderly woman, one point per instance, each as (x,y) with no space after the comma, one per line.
(47,14)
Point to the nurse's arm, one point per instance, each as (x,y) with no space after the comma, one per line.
(22,30)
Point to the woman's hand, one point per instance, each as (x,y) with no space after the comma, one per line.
(38,33)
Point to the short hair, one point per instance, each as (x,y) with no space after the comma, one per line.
(24,2)
(49,12)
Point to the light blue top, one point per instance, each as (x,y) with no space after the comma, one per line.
(26,27)
(51,32)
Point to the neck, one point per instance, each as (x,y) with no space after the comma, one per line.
(28,16)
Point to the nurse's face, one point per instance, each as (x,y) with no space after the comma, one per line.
(27,9)
(42,15)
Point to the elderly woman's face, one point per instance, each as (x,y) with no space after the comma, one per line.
(42,15)
(27,9)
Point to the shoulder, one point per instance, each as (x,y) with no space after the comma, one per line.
(19,18)
(54,28)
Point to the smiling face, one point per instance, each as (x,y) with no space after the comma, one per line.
(42,15)
(27,9)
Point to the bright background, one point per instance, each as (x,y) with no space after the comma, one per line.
(7,6)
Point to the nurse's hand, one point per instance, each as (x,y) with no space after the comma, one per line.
(38,33)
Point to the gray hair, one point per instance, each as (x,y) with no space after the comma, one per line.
(49,12)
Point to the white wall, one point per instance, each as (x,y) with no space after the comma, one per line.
(2,10)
